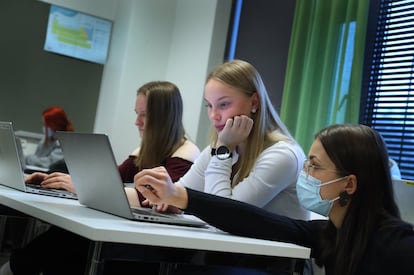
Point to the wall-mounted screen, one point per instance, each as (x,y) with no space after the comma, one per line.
(78,35)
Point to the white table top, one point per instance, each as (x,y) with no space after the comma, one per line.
(99,226)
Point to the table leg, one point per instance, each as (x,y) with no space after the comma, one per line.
(166,268)
(94,265)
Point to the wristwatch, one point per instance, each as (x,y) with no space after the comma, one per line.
(222,152)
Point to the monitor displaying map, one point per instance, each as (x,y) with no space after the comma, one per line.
(79,35)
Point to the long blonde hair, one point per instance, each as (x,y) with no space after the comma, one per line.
(164,131)
(267,128)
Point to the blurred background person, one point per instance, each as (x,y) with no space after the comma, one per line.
(48,153)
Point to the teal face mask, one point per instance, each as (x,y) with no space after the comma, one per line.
(50,132)
(308,192)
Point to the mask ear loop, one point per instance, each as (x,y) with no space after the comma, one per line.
(344,198)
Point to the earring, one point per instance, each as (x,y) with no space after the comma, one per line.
(254,110)
(344,198)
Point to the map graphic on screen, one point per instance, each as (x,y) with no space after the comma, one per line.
(78,35)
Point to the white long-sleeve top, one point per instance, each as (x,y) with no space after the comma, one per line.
(45,154)
(270,185)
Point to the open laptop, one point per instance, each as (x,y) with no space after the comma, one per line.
(12,169)
(404,194)
(28,169)
(98,184)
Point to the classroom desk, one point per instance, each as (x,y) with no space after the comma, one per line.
(104,228)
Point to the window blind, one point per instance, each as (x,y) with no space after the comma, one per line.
(387,103)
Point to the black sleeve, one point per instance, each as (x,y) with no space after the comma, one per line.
(399,250)
(243,219)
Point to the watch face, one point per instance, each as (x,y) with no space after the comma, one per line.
(223,152)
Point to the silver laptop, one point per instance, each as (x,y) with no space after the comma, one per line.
(12,169)
(28,169)
(404,194)
(98,184)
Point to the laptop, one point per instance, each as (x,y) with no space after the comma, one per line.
(12,169)
(404,194)
(28,169)
(98,184)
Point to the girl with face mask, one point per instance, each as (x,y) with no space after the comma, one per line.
(308,189)
(346,178)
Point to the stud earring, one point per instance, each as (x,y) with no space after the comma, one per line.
(253,110)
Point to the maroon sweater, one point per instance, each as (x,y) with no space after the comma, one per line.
(176,168)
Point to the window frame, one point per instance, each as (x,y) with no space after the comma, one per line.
(382,96)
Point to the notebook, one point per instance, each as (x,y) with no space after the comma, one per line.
(28,169)
(98,184)
(12,169)
(404,194)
